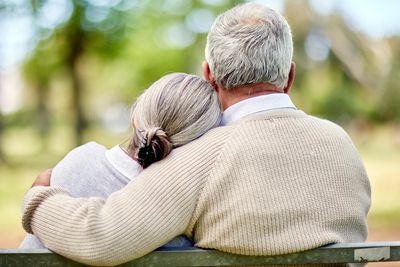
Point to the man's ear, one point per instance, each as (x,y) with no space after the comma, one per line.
(208,75)
(292,74)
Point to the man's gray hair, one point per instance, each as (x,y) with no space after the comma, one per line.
(249,44)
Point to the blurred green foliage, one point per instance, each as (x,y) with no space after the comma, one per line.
(89,58)
(123,45)
(90,55)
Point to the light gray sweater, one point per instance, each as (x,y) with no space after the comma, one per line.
(93,171)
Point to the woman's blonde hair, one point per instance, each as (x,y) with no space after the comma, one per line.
(173,111)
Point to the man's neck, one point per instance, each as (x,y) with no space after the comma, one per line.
(240,93)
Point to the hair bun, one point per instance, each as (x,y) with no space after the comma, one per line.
(156,146)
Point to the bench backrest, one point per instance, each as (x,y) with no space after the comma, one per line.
(336,253)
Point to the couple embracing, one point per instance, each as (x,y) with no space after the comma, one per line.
(226,163)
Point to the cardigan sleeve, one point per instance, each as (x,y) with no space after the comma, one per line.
(151,210)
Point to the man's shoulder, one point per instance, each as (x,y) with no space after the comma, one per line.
(279,115)
(288,125)
(199,152)
(211,140)
(328,124)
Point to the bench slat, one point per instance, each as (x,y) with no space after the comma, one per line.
(336,253)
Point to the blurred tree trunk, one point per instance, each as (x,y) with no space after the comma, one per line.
(43,113)
(76,50)
(2,157)
(1,137)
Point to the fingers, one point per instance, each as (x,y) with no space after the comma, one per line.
(43,179)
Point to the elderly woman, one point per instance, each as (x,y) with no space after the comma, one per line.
(175,110)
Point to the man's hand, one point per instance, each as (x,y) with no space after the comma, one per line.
(43,179)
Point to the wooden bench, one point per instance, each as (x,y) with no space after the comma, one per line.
(337,253)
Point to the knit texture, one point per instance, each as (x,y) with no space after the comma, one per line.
(87,172)
(271,183)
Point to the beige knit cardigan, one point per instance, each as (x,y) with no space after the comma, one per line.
(271,183)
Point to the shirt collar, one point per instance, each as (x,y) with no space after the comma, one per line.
(254,105)
(121,161)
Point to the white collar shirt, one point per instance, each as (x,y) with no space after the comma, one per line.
(256,104)
(121,161)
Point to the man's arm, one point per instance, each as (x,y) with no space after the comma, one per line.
(144,215)
(152,209)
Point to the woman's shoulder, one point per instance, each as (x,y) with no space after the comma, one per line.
(82,161)
(88,148)
(89,152)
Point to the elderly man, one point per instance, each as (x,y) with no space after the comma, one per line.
(272,180)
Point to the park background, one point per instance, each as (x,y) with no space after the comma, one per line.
(70,70)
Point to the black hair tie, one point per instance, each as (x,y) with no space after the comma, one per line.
(146,156)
